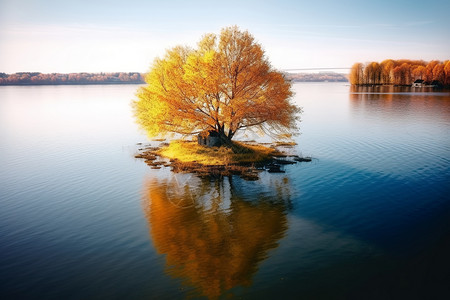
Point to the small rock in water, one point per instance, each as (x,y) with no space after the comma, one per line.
(303,159)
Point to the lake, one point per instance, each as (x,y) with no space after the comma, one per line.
(368,218)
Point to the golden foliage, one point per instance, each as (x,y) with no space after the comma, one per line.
(356,73)
(447,72)
(399,72)
(226,84)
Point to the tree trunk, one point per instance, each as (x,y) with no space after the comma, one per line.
(224,139)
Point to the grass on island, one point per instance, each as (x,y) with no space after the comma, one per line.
(239,153)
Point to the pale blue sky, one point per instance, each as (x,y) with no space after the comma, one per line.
(126,35)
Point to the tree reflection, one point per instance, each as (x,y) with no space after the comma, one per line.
(212,234)
(400,101)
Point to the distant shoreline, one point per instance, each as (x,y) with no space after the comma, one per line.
(36,78)
(70,83)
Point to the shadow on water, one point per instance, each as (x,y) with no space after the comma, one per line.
(212,234)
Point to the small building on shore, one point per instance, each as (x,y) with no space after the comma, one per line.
(209,138)
(418,83)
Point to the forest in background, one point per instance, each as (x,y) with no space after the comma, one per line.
(400,72)
(36,78)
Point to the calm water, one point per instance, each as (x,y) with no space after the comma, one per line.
(369,218)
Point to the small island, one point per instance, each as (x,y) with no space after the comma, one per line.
(245,159)
(224,86)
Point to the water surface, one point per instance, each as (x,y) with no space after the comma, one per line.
(80,218)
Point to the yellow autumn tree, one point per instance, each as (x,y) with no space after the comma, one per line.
(356,74)
(225,84)
(447,72)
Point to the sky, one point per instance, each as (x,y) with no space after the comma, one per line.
(126,36)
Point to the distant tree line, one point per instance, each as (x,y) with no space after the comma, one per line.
(400,72)
(35,78)
(317,77)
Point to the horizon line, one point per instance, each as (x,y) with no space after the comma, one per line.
(306,69)
(296,69)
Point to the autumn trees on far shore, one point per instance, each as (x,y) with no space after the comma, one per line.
(400,72)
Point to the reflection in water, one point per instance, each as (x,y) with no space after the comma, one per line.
(398,131)
(401,99)
(213,237)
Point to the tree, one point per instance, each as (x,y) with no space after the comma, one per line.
(439,73)
(447,72)
(418,72)
(356,74)
(224,85)
(372,73)
(429,70)
(387,67)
